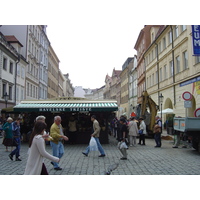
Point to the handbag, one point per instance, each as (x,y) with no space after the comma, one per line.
(140,132)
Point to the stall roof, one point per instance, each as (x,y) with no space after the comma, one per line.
(66,106)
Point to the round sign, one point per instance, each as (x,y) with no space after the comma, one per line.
(187,96)
(197,112)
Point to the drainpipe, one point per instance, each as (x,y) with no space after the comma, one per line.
(15,98)
(174,91)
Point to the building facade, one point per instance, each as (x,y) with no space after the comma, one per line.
(174,70)
(53,70)
(8,64)
(124,77)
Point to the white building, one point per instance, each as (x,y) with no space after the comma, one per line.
(35,51)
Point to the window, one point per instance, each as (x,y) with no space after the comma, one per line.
(156,77)
(4,90)
(10,92)
(177,64)
(170,37)
(152,79)
(197,59)
(18,70)
(183,28)
(5,63)
(165,72)
(160,74)
(171,68)
(185,60)
(11,68)
(176,31)
(164,43)
(159,47)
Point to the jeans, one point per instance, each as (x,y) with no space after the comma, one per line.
(157,138)
(58,151)
(100,148)
(16,151)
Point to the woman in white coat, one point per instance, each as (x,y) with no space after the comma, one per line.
(133,131)
(142,131)
(37,151)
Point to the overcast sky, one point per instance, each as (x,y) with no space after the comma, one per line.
(92,37)
(93,40)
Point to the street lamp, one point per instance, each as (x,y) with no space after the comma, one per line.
(6,98)
(161,97)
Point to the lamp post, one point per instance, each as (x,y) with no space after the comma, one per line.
(161,97)
(6,98)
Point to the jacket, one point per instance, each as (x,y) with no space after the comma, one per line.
(36,154)
(143,127)
(55,133)
(133,129)
(96,128)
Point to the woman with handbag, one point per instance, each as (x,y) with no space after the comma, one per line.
(142,131)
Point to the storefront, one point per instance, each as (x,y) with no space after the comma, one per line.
(80,109)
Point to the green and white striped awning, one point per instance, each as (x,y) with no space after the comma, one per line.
(61,106)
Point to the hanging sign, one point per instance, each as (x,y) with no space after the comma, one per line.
(196,39)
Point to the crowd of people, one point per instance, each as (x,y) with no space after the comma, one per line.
(126,131)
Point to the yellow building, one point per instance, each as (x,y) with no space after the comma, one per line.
(171,68)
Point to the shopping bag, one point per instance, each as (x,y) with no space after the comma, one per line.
(122,145)
(93,144)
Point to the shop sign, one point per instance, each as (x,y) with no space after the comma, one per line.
(51,109)
(80,109)
(196,39)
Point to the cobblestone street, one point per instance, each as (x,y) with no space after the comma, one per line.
(142,160)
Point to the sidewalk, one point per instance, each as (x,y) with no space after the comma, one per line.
(142,160)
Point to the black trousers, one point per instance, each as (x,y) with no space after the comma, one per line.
(142,139)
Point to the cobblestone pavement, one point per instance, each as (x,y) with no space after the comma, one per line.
(142,160)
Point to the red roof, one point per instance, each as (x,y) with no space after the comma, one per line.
(12,39)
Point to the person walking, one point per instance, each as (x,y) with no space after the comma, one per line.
(56,132)
(123,138)
(157,131)
(35,164)
(16,139)
(95,134)
(142,131)
(133,131)
(8,137)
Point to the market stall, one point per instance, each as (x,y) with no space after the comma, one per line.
(78,108)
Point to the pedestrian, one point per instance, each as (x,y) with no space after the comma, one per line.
(8,137)
(35,164)
(56,132)
(123,138)
(115,122)
(95,134)
(133,131)
(72,130)
(16,139)
(157,131)
(142,131)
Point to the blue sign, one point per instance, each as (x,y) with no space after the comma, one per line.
(193,80)
(196,39)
